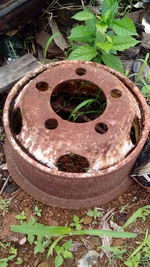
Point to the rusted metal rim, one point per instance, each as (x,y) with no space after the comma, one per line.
(118,167)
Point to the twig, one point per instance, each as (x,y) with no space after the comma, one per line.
(4,185)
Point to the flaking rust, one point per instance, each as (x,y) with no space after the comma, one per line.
(32,149)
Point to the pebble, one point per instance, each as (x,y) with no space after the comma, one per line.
(22,241)
(10,188)
(87,220)
(146,40)
(89,259)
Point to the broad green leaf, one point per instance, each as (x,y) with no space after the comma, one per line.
(39,229)
(97,232)
(101,27)
(83,53)
(124,26)
(105,46)
(109,10)
(58,260)
(110,4)
(4,262)
(121,43)
(81,33)
(91,24)
(67,244)
(83,15)
(112,61)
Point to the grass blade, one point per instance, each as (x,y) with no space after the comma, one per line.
(135,215)
(81,105)
(97,232)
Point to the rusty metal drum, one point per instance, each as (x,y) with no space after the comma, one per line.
(39,136)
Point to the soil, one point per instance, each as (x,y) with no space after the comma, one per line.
(121,208)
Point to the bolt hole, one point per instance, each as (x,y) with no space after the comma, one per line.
(81,71)
(135,132)
(101,128)
(73,163)
(16,121)
(115,93)
(51,124)
(42,86)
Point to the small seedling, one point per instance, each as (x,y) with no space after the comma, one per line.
(21,217)
(117,252)
(63,253)
(141,253)
(94,213)
(142,212)
(4,205)
(76,223)
(37,211)
(13,254)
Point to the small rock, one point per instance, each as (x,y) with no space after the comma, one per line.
(10,188)
(135,199)
(89,259)
(131,53)
(22,241)
(43,264)
(51,222)
(87,220)
(146,40)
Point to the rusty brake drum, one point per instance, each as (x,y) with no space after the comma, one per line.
(37,136)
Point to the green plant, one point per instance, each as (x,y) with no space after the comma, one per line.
(48,42)
(13,254)
(142,212)
(21,217)
(94,213)
(63,253)
(76,223)
(102,36)
(4,205)
(141,253)
(37,211)
(87,104)
(117,252)
(40,236)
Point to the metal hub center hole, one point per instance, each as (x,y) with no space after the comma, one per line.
(78,101)
(73,163)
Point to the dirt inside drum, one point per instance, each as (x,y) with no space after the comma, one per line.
(82,159)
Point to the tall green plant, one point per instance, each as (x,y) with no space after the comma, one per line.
(102,36)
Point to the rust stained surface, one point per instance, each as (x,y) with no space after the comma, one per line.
(36,149)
